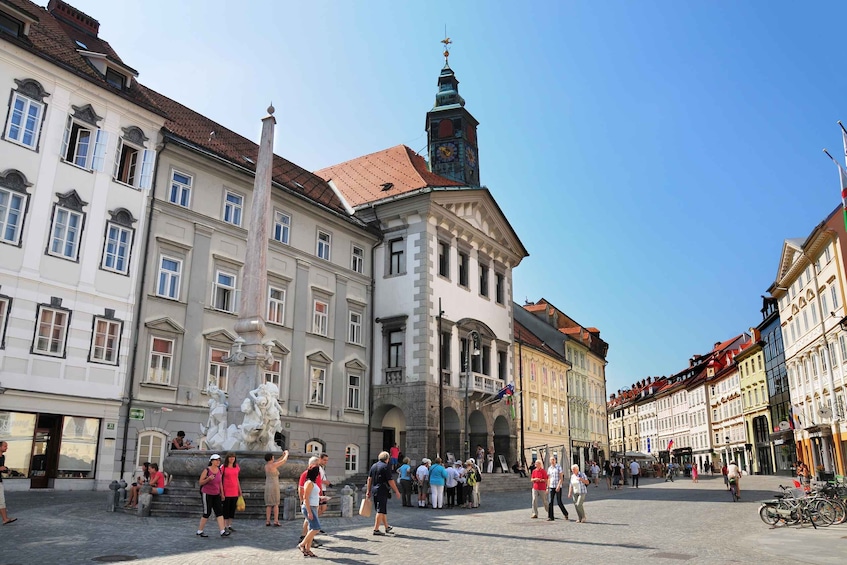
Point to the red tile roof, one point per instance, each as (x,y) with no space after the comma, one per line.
(390,172)
(198,130)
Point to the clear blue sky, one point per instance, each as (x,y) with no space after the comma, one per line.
(652,156)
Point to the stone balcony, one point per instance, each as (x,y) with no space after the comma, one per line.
(481,386)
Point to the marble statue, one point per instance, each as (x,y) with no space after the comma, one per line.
(262,414)
(215,431)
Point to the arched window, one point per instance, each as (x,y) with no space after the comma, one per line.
(151,447)
(314,447)
(351,459)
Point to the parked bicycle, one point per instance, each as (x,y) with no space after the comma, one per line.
(793,506)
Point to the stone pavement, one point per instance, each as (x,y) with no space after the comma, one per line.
(657,523)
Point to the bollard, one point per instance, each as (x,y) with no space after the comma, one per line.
(114,502)
(145,499)
(290,503)
(122,492)
(347,504)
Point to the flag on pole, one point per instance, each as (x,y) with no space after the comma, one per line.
(670,445)
(842,177)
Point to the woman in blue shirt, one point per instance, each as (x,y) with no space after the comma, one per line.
(405,472)
(437,478)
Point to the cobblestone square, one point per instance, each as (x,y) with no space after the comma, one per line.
(657,523)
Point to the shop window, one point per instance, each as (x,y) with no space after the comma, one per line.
(17,430)
(78,452)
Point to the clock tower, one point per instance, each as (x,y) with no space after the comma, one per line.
(451,131)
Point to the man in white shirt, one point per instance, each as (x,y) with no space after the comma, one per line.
(422,474)
(634,472)
(595,473)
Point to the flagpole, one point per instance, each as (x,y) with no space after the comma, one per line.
(842,175)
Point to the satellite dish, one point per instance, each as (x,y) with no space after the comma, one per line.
(783,425)
(825,413)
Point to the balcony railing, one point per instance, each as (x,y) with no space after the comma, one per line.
(394,375)
(481,384)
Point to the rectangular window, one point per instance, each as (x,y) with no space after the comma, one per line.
(317,386)
(324,243)
(51,331)
(180,193)
(827,254)
(84,146)
(67,226)
(218,369)
(276,305)
(395,349)
(105,341)
(320,322)
(533,410)
(445,353)
(498,288)
(354,392)
(233,204)
(444,259)
(127,165)
(116,250)
(396,262)
(834,293)
(223,294)
(351,459)
(272,373)
(357,262)
(355,333)
(115,78)
(824,304)
(463,269)
(805,320)
(483,280)
(161,361)
(12,205)
(24,124)
(282,227)
(169,276)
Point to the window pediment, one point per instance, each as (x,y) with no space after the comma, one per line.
(123,217)
(31,88)
(319,357)
(134,135)
(15,180)
(165,324)
(279,347)
(355,365)
(71,201)
(220,334)
(86,114)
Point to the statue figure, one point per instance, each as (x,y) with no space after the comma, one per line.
(261,418)
(215,432)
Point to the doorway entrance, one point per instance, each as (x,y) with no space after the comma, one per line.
(45,451)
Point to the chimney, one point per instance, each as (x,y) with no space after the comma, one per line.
(70,15)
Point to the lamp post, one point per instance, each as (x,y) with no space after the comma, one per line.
(472,340)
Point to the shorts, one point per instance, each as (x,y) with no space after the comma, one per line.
(314,523)
(380,503)
(2,497)
(212,502)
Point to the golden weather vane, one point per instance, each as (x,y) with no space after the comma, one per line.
(446,41)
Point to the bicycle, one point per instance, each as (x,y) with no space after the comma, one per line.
(793,506)
(733,489)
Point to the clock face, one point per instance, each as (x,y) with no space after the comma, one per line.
(470,156)
(445,152)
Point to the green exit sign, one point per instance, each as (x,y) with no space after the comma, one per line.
(136,414)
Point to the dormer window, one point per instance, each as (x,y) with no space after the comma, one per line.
(115,78)
(10,25)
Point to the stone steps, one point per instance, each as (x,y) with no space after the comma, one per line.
(503,482)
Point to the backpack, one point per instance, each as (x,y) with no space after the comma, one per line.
(477,475)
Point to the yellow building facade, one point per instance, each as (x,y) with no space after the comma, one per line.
(755,406)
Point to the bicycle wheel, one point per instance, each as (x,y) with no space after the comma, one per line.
(821,512)
(734,490)
(840,510)
(768,515)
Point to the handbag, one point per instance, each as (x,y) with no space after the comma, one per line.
(240,505)
(366,507)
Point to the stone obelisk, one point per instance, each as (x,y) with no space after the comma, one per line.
(251,357)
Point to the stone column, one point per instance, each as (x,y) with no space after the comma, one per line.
(249,355)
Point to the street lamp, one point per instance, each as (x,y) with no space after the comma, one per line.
(471,339)
(728,458)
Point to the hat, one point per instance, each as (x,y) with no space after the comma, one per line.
(472,460)
(457,463)
(214,456)
(425,461)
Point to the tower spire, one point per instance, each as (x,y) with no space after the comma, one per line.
(446,41)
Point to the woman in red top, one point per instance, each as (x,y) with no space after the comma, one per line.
(231,488)
(157,479)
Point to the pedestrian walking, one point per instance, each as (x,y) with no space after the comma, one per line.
(577,491)
(470,483)
(379,481)
(539,488)
(634,472)
(437,480)
(314,462)
(480,456)
(477,498)
(617,474)
(211,493)
(554,488)
(324,484)
(422,474)
(4,446)
(272,486)
(670,472)
(595,474)
(394,456)
(607,472)
(231,488)
(695,475)
(404,472)
(309,506)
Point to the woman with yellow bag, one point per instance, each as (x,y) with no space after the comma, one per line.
(231,488)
